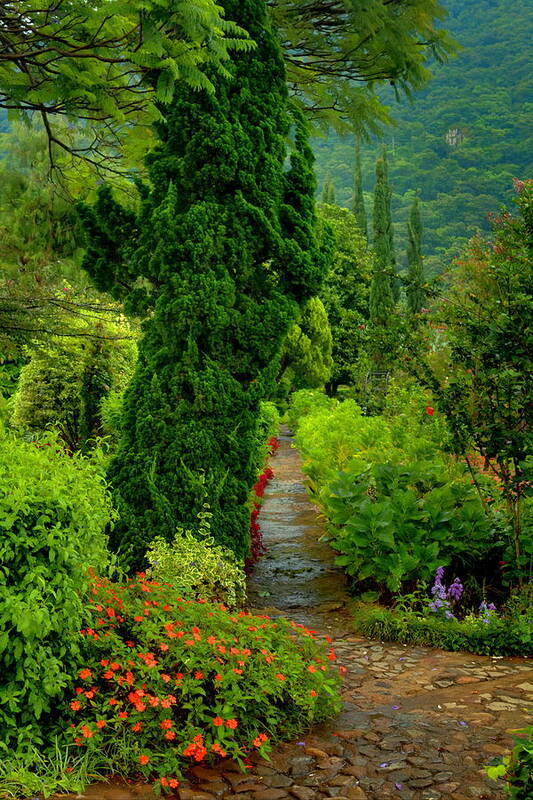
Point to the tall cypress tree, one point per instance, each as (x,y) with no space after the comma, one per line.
(223,251)
(359,209)
(416,295)
(381,289)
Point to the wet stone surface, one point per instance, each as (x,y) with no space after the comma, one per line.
(417,724)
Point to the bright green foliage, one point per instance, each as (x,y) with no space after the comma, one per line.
(64,383)
(237,681)
(53,512)
(358,204)
(223,251)
(502,636)
(382,296)
(337,51)
(196,567)
(394,523)
(519,774)
(346,292)
(90,61)
(416,295)
(306,357)
(303,403)
(481,378)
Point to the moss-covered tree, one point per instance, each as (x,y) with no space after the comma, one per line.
(223,251)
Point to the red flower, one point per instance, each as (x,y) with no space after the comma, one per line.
(87,732)
(101,723)
(75,705)
(218,721)
(166,724)
(280,677)
(84,674)
(198,676)
(170,735)
(231,723)
(144,760)
(430,410)
(137,727)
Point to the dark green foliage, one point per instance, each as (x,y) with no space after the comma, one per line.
(484,93)
(223,251)
(519,775)
(382,291)
(415,268)
(502,637)
(358,205)
(53,512)
(395,523)
(328,192)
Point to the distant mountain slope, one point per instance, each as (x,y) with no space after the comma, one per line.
(463,139)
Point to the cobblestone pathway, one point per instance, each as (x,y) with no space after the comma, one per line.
(417,724)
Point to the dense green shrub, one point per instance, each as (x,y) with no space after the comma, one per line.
(303,403)
(53,512)
(503,636)
(198,568)
(168,681)
(220,257)
(394,523)
(64,384)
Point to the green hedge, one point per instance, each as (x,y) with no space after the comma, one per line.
(503,636)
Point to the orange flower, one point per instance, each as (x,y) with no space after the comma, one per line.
(218,677)
(84,674)
(87,732)
(173,783)
(166,724)
(144,760)
(218,721)
(123,714)
(312,693)
(170,735)
(311,668)
(198,676)
(75,705)
(280,677)
(137,727)
(114,666)
(231,723)
(101,723)
(113,701)
(165,677)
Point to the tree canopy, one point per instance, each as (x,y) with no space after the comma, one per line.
(109,63)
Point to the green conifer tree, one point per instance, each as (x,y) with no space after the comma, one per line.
(331,194)
(381,289)
(223,251)
(328,190)
(416,295)
(359,209)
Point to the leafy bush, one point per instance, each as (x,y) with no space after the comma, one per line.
(503,636)
(303,403)
(64,384)
(53,512)
(169,682)
(197,567)
(394,523)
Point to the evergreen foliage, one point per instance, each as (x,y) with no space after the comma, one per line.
(415,273)
(222,253)
(484,96)
(358,205)
(382,292)
(346,291)
(306,358)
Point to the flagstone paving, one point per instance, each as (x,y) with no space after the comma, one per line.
(417,723)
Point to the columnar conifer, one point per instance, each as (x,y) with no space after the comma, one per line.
(415,273)
(359,209)
(381,290)
(223,252)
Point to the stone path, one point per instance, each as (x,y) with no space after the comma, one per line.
(417,724)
